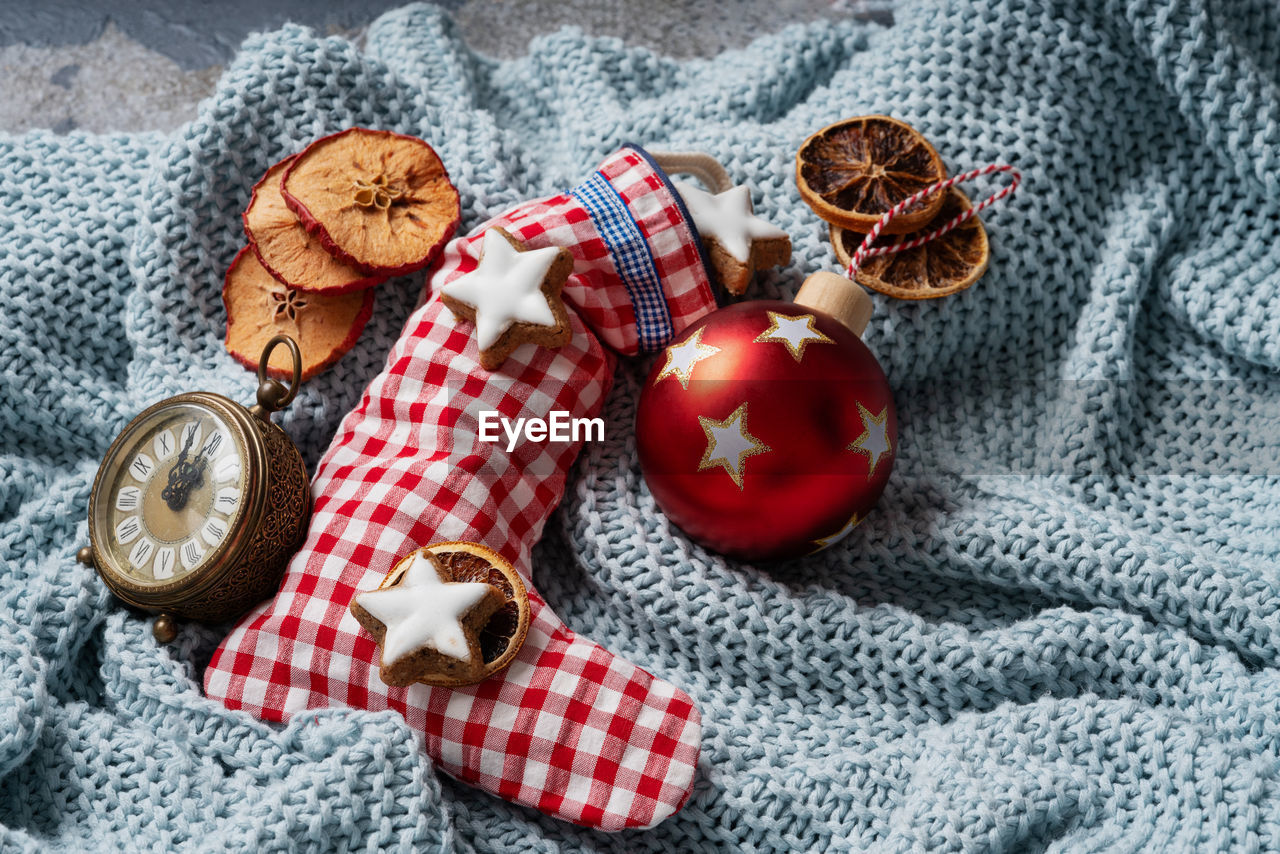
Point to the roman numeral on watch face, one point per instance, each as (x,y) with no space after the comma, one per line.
(141,467)
(163,565)
(128,530)
(142,552)
(164,445)
(192,553)
(213,532)
(191,433)
(211,447)
(128,497)
(227,500)
(227,469)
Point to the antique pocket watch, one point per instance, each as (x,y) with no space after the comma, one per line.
(199,503)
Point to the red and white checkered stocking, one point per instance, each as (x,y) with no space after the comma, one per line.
(569,728)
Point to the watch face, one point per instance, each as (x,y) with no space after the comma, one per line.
(170,493)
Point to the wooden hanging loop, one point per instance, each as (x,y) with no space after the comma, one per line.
(704,167)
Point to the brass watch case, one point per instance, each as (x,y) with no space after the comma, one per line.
(246,567)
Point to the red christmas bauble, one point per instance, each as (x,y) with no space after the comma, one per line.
(767,430)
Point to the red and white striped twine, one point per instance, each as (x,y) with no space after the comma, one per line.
(865,251)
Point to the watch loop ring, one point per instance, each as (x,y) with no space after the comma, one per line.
(272,394)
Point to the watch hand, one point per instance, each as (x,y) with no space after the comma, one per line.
(182,455)
(191,436)
(203,459)
(211,447)
(183,477)
(197,471)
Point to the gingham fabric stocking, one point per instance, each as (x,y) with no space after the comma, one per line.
(568,728)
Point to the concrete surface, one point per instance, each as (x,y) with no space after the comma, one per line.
(125,66)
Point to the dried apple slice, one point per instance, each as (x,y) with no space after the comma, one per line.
(378,200)
(259,306)
(289,253)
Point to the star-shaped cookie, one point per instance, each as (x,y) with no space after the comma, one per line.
(512,297)
(426,624)
(738,241)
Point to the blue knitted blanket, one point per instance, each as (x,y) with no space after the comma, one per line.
(1060,630)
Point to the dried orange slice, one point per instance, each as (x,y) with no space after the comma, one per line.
(259,306)
(378,200)
(286,249)
(944,265)
(854,171)
(503,635)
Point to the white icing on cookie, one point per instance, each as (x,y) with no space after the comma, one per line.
(506,287)
(423,611)
(728,218)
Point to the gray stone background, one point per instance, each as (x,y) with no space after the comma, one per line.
(117,65)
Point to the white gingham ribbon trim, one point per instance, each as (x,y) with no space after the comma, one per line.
(866,251)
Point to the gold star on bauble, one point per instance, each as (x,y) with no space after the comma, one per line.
(874,441)
(729,444)
(826,542)
(797,332)
(682,357)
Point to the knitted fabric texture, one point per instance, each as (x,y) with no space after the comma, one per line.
(1061,626)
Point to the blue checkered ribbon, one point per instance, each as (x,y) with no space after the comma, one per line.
(631,257)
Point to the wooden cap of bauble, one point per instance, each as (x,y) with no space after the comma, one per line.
(833,294)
